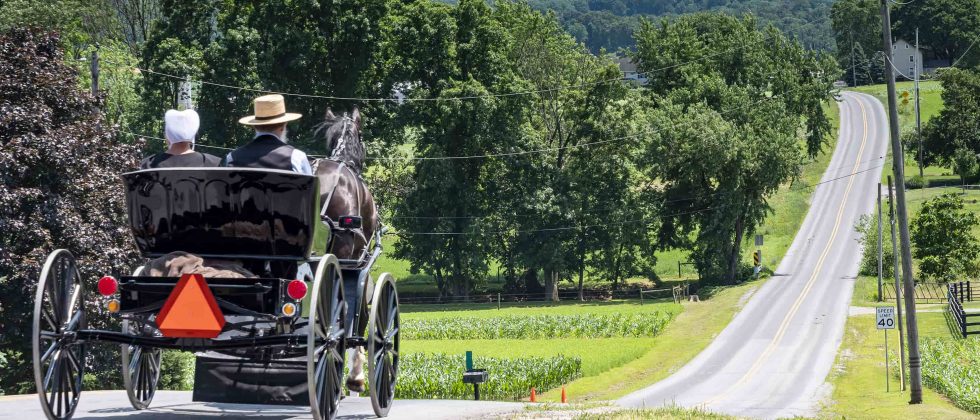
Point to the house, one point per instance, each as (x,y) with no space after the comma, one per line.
(628,67)
(909,62)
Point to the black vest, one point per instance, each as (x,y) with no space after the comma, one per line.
(264,151)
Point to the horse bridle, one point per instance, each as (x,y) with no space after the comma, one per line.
(334,180)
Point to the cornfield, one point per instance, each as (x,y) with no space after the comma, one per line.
(440,376)
(538,326)
(952,367)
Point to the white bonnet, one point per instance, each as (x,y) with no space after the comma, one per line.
(181,126)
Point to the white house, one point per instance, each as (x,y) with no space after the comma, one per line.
(628,67)
(909,62)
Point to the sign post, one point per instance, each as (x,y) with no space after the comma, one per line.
(885,320)
(757,256)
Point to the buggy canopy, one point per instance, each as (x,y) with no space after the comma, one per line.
(222,212)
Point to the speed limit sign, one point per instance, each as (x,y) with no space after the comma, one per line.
(885,317)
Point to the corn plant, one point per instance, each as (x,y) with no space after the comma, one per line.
(440,376)
(539,326)
(952,367)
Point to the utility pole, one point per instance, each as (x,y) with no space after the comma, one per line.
(898,283)
(94,66)
(898,162)
(880,250)
(854,76)
(917,66)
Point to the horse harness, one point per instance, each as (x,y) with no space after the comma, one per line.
(349,223)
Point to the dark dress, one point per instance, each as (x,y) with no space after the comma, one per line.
(187,160)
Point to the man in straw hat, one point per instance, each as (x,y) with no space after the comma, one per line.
(269,149)
(180,130)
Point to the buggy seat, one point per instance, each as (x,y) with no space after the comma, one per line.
(225,213)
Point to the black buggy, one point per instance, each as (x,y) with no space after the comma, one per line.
(273,344)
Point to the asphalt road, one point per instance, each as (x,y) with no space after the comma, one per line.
(178,405)
(773,358)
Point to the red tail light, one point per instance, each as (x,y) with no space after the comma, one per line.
(108,286)
(296,289)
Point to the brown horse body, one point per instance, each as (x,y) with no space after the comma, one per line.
(342,194)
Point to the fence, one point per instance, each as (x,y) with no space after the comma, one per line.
(932,292)
(956,293)
(587,294)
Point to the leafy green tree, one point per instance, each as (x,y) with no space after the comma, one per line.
(857,31)
(942,239)
(867,229)
(57,190)
(725,130)
(946,27)
(958,124)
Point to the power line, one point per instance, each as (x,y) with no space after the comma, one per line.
(966,52)
(564,228)
(469,97)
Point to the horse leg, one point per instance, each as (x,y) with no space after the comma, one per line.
(355,379)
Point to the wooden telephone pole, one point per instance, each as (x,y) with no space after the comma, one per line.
(898,162)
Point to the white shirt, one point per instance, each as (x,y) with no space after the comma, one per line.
(300,162)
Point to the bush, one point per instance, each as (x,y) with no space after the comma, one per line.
(177,371)
(915,182)
(440,376)
(952,367)
(942,239)
(538,326)
(867,229)
(58,189)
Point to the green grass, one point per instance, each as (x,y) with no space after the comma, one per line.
(859,376)
(596,353)
(690,332)
(930,100)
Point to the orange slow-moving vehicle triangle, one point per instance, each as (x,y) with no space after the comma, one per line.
(191,310)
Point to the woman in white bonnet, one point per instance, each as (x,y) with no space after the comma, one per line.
(181,128)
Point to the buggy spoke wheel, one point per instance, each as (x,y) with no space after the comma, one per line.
(383,339)
(140,364)
(59,360)
(326,340)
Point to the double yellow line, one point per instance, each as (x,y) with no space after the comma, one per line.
(784,326)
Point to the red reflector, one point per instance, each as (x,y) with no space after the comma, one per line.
(296,289)
(191,310)
(108,286)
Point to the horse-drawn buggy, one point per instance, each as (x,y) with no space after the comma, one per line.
(269,319)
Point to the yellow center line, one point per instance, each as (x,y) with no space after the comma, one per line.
(784,326)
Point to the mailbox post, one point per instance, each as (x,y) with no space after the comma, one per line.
(474,376)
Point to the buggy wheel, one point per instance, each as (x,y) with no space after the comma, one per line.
(140,367)
(382,340)
(326,340)
(59,312)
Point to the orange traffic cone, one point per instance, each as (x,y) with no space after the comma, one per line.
(534,395)
(564,397)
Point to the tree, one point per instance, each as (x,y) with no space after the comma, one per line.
(724,134)
(867,229)
(946,27)
(857,31)
(57,190)
(942,239)
(958,124)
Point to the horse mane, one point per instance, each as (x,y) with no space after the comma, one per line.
(345,146)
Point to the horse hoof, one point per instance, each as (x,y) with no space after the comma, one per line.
(355,385)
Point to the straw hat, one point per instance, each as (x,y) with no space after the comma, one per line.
(269,109)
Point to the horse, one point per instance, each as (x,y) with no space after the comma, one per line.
(343,194)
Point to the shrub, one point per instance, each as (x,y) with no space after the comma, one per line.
(440,376)
(942,239)
(538,326)
(177,371)
(952,367)
(867,229)
(58,189)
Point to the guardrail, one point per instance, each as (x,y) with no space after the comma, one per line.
(964,321)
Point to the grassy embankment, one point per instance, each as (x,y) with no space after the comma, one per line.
(859,375)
